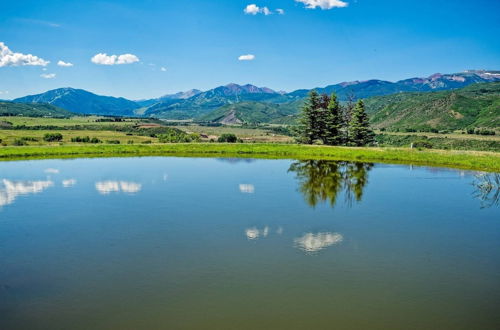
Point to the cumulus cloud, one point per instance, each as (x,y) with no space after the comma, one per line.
(66,64)
(48,75)
(105,59)
(280,11)
(248,57)
(163,69)
(9,58)
(253,9)
(316,242)
(323,4)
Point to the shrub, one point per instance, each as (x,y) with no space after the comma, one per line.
(422,144)
(147,142)
(112,141)
(130,142)
(227,138)
(19,142)
(53,137)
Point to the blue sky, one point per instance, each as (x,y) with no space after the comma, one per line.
(198,43)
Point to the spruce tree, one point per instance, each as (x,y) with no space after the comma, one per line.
(308,128)
(333,122)
(360,133)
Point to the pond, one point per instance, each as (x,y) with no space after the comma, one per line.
(184,243)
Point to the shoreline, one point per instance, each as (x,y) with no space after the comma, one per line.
(469,160)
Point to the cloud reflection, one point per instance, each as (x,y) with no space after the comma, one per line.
(108,187)
(13,189)
(247,188)
(52,171)
(255,233)
(68,183)
(316,242)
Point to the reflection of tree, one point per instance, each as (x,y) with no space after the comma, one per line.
(322,180)
(487,189)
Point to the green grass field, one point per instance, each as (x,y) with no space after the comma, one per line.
(481,161)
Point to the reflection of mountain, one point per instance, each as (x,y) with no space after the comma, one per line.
(13,189)
(316,242)
(236,160)
(107,187)
(322,180)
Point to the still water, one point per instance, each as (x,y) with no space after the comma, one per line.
(181,243)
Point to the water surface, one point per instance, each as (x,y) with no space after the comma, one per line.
(181,243)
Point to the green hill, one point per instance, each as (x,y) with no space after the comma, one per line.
(32,110)
(477,105)
(253,113)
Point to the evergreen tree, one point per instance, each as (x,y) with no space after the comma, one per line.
(333,122)
(360,133)
(308,127)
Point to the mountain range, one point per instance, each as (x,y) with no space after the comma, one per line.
(235,103)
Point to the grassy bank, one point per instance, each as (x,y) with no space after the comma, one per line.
(482,161)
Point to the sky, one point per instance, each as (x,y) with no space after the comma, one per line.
(148,48)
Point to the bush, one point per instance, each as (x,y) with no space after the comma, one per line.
(53,137)
(227,138)
(113,142)
(85,139)
(130,142)
(422,144)
(19,142)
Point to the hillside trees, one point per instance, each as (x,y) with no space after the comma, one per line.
(325,121)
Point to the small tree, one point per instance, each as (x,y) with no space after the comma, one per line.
(227,137)
(333,122)
(53,137)
(360,133)
(308,125)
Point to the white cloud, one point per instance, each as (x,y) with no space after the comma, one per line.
(66,64)
(105,59)
(163,69)
(48,75)
(4,92)
(253,9)
(280,11)
(107,187)
(248,57)
(9,58)
(316,242)
(323,4)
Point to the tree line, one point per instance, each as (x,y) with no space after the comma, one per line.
(325,121)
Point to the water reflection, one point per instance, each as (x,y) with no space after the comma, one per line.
(487,187)
(311,242)
(255,233)
(247,188)
(68,183)
(322,180)
(51,171)
(13,189)
(107,187)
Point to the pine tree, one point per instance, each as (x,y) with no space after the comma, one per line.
(308,127)
(333,122)
(360,133)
